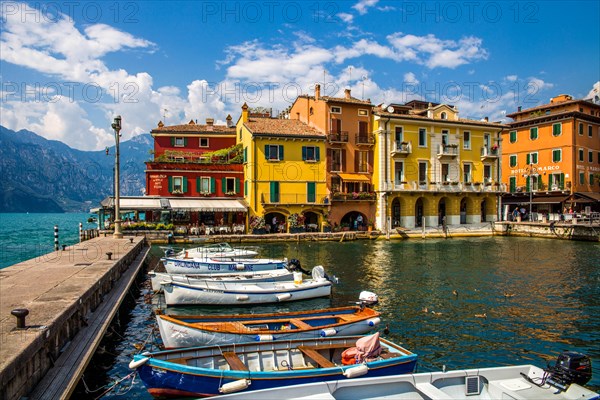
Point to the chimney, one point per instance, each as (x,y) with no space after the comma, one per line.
(347,93)
(210,121)
(519,109)
(229,121)
(486,119)
(317,92)
(245,113)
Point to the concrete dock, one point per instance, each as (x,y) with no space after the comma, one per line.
(70,297)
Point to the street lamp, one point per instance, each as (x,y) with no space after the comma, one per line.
(116,125)
(530,171)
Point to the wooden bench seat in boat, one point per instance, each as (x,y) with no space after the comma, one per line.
(234,361)
(316,356)
(300,324)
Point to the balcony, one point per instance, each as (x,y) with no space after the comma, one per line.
(292,198)
(489,154)
(334,167)
(365,139)
(337,137)
(401,149)
(450,187)
(447,151)
(354,196)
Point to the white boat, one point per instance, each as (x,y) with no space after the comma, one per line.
(157,278)
(210,265)
(216,251)
(213,292)
(521,382)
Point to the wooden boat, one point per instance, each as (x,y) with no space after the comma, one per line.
(216,251)
(210,370)
(213,265)
(187,330)
(213,292)
(275,275)
(513,382)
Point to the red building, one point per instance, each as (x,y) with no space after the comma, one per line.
(199,169)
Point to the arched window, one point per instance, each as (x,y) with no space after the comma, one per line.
(443,115)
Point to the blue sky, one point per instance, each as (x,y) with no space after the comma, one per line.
(68,67)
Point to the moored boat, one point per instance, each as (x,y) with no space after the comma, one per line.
(210,370)
(220,250)
(512,382)
(210,292)
(185,330)
(210,265)
(157,278)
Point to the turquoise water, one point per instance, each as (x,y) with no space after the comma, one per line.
(26,236)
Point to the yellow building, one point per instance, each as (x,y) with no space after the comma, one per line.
(284,169)
(432,167)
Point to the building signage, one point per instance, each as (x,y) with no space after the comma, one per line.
(157,181)
(593,169)
(535,169)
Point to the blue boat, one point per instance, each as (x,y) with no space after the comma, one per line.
(213,370)
(209,265)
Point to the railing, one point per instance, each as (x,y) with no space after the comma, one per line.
(445,150)
(335,167)
(355,196)
(290,198)
(472,187)
(338,137)
(365,139)
(489,153)
(401,148)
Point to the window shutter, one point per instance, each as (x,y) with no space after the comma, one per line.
(266,151)
(528,159)
(318,153)
(280,152)
(303,153)
(310,192)
(355,160)
(237,185)
(343,166)
(274,192)
(212,185)
(185,141)
(170,184)
(224,185)
(184,184)
(329,160)
(561,184)
(550,182)
(245,154)
(370,161)
(172,141)
(245,188)
(513,184)
(198,184)
(527,184)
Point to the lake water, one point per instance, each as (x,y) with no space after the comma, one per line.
(556,303)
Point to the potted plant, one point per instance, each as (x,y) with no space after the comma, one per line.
(296,223)
(257,224)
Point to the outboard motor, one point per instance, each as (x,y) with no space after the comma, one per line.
(570,367)
(169,252)
(294,265)
(368,298)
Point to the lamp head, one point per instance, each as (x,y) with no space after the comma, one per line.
(116,125)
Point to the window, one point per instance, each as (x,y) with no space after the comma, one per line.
(556,129)
(487,173)
(310,153)
(534,183)
(178,142)
(336,110)
(556,181)
(591,178)
(361,162)
(363,113)
(230,185)
(590,156)
(581,155)
(337,160)
(423,172)
(399,172)
(203,142)
(556,155)
(513,136)
(274,194)
(240,133)
(422,137)
(467,168)
(512,160)
(205,185)
(273,152)
(311,192)
(445,137)
(582,178)
(245,154)
(445,172)
(466,140)
(533,133)
(581,128)
(532,158)
(311,111)
(177,184)
(443,115)
(512,183)
(590,134)
(399,136)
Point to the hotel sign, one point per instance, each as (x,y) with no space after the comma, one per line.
(156,181)
(544,168)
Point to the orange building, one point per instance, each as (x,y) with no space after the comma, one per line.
(347,123)
(551,157)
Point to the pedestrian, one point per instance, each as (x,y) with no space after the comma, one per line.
(274,224)
(359,221)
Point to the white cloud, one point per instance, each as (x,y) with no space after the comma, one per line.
(347,18)
(363,5)
(594,91)
(511,78)
(410,77)
(536,85)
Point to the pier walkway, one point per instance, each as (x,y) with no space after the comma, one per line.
(70,296)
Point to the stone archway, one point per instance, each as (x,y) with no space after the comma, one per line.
(311,221)
(354,220)
(275,222)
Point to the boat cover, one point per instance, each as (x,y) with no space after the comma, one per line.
(367,349)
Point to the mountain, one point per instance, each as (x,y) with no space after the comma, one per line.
(40,175)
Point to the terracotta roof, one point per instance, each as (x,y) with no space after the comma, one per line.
(195,128)
(281,127)
(463,121)
(552,105)
(351,100)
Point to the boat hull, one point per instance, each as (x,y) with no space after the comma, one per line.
(177,293)
(276,275)
(208,266)
(188,331)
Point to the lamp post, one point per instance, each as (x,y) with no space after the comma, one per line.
(116,125)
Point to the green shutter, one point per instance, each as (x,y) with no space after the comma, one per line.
(170,184)
(534,158)
(280,152)
(513,184)
(274,192)
(528,158)
(591,179)
(172,141)
(318,153)
(513,136)
(561,184)
(311,194)
(237,185)
(198,184)
(266,151)
(550,182)
(224,185)
(303,153)
(245,188)
(212,185)
(556,128)
(184,141)
(184,184)
(245,154)
(527,184)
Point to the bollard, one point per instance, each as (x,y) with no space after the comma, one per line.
(130,240)
(80,232)
(64,246)
(20,313)
(109,255)
(56,237)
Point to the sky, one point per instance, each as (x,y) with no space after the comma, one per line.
(67,68)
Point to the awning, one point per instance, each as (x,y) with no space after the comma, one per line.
(138,204)
(354,178)
(208,205)
(549,199)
